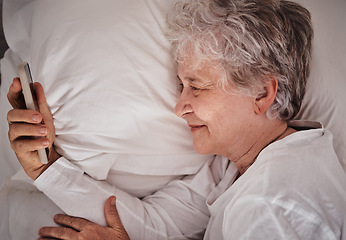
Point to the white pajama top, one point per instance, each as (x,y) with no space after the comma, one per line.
(296,189)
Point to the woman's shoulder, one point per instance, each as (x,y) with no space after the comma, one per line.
(288,193)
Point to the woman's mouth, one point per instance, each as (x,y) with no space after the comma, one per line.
(196,127)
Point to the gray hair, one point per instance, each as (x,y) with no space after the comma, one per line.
(251,40)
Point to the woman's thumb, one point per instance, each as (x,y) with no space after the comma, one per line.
(113,219)
(111,213)
(42,103)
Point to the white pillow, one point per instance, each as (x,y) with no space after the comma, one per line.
(111,85)
(107,45)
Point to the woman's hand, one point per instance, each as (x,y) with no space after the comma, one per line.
(79,228)
(30,130)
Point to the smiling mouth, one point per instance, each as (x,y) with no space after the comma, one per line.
(196,127)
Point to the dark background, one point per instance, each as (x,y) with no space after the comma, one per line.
(3,44)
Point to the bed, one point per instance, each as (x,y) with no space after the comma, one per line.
(110,83)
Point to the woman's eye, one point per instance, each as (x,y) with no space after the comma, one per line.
(195,88)
(181,87)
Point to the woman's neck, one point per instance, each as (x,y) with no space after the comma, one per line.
(272,132)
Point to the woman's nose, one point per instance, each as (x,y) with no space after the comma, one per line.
(183,106)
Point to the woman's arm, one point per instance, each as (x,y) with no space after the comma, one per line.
(179,210)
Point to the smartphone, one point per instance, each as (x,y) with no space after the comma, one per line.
(30,98)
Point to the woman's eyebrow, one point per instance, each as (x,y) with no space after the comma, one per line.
(179,80)
(189,79)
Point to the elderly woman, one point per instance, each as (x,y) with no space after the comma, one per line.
(243,67)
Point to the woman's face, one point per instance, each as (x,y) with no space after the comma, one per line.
(219,121)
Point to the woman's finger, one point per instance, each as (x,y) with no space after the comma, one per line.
(58,232)
(15,96)
(24,146)
(45,111)
(23,115)
(113,219)
(42,103)
(17,130)
(111,213)
(73,222)
(29,160)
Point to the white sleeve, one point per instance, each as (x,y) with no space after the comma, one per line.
(178,211)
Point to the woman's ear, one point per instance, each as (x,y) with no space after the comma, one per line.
(266,98)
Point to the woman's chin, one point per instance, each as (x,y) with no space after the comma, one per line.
(201,148)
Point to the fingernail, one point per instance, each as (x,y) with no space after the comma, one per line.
(45,143)
(35,117)
(113,201)
(43,130)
